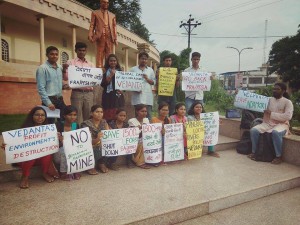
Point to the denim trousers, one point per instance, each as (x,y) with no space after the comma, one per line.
(277,138)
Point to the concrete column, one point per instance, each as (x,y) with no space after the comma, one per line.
(137,58)
(0,40)
(41,17)
(155,67)
(74,40)
(126,58)
(151,63)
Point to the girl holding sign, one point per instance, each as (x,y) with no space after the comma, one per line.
(68,124)
(112,99)
(96,124)
(140,119)
(194,114)
(36,117)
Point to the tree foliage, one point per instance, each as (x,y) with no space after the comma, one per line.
(140,29)
(284,59)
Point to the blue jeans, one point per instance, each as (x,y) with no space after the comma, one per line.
(189,102)
(277,138)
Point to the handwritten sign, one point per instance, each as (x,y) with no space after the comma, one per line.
(84,77)
(173,144)
(120,141)
(167,80)
(251,101)
(211,127)
(129,81)
(152,142)
(196,81)
(30,143)
(195,136)
(79,150)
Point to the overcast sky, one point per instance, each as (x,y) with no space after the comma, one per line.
(221,18)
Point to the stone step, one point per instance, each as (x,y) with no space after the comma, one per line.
(165,195)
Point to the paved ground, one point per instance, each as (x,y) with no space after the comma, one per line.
(200,186)
(278,209)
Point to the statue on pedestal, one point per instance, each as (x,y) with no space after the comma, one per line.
(103,30)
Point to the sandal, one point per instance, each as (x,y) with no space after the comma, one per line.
(214,154)
(144,166)
(103,168)
(48,178)
(24,183)
(92,172)
(277,160)
(251,156)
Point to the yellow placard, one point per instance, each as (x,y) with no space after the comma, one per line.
(195,136)
(167,79)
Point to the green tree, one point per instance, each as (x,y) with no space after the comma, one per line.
(140,29)
(284,59)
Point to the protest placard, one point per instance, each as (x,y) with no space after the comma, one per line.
(195,136)
(152,142)
(129,81)
(173,143)
(120,141)
(211,123)
(196,81)
(84,77)
(30,143)
(167,80)
(79,150)
(251,101)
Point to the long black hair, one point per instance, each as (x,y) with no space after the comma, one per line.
(139,107)
(177,106)
(29,119)
(106,65)
(284,88)
(191,109)
(160,106)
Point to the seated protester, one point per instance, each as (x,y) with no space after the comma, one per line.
(119,123)
(194,115)
(276,121)
(179,117)
(68,124)
(36,117)
(96,124)
(140,118)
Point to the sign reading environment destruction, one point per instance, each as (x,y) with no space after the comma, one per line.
(167,80)
(30,143)
(129,81)
(251,101)
(79,150)
(196,81)
(84,77)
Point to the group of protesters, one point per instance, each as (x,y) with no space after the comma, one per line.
(52,79)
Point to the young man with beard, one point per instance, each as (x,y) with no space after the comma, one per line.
(276,121)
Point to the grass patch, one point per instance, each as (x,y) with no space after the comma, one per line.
(11,122)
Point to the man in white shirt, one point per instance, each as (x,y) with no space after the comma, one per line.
(145,96)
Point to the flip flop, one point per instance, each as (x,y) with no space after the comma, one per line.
(144,166)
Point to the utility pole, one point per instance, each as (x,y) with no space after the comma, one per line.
(189,27)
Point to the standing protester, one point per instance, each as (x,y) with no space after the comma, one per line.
(81,98)
(112,99)
(193,96)
(49,81)
(145,96)
(171,100)
(276,121)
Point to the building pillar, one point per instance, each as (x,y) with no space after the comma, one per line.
(155,67)
(74,40)
(137,58)
(151,63)
(41,17)
(126,58)
(0,39)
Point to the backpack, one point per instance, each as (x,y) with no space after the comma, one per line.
(265,151)
(244,146)
(247,118)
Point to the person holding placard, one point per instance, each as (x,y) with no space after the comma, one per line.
(96,124)
(49,81)
(69,124)
(145,96)
(119,123)
(171,100)
(194,115)
(140,119)
(112,99)
(81,98)
(193,96)
(36,117)
(275,120)
(179,117)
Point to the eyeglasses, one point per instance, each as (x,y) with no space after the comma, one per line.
(40,115)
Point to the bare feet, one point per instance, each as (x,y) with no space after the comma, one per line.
(24,183)
(77,176)
(66,177)
(103,168)
(48,178)
(92,171)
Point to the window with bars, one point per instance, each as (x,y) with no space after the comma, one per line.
(5,50)
(64,57)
